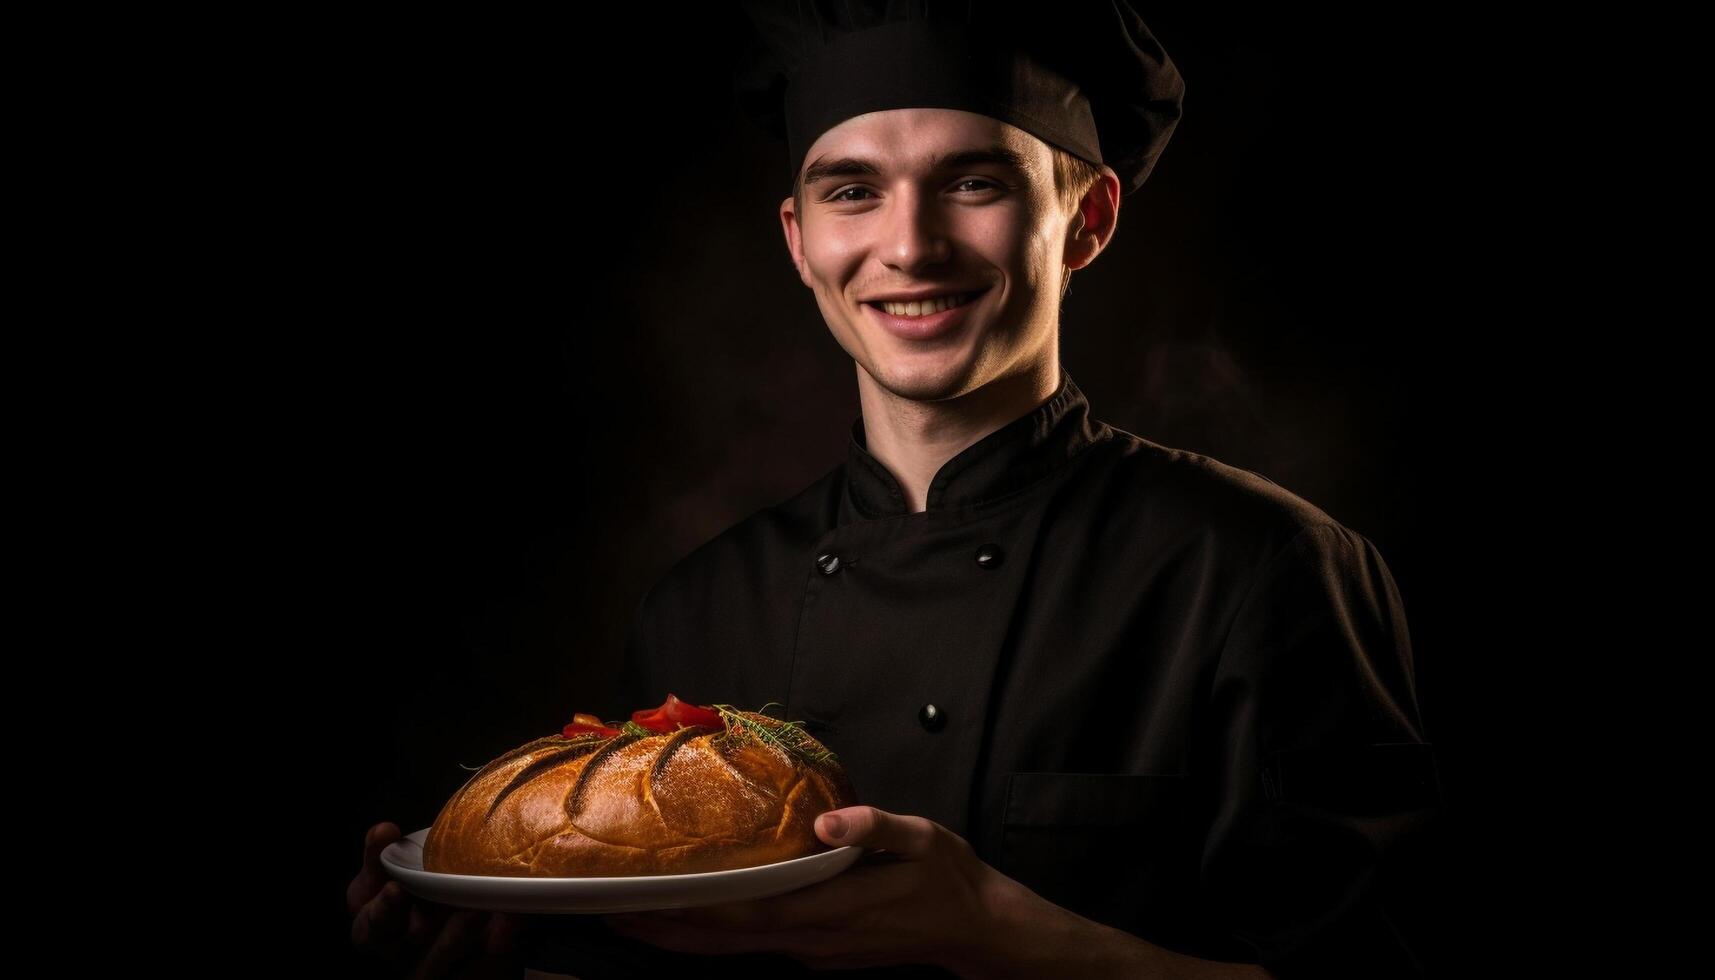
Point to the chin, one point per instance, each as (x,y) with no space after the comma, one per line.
(925,378)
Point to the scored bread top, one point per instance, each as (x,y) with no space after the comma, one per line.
(693,800)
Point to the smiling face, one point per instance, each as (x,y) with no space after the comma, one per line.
(952,206)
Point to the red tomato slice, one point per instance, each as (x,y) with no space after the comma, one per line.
(576,728)
(692,715)
(654,719)
(674,714)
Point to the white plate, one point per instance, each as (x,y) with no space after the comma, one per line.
(403,859)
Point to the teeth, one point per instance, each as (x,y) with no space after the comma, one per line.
(926,307)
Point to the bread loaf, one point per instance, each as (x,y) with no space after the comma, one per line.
(640,802)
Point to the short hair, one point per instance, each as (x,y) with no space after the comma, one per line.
(1073,178)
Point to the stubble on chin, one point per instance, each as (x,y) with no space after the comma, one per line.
(921,386)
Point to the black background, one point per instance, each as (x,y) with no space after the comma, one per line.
(550,340)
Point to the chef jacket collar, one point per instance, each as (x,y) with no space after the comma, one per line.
(1014,456)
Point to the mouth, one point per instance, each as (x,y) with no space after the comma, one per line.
(927,307)
(927,319)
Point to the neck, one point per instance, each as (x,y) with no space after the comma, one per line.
(914,439)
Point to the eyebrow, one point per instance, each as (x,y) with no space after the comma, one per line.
(860,166)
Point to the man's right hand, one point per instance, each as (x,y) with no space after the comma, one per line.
(423,940)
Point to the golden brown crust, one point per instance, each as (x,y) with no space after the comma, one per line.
(691,801)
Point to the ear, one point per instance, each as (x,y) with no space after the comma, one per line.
(794,232)
(1092,225)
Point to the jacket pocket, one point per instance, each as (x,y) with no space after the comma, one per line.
(1060,828)
(1118,848)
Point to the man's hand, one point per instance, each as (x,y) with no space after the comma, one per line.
(934,901)
(423,939)
(927,904)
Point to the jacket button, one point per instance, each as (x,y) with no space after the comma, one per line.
(829,563)
(989,556)
(932,718)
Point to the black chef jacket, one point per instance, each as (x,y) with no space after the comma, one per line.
(1161,691)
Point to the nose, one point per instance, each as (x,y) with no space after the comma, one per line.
(913,233)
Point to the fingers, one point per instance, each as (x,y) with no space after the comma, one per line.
(389,924)
(833,904)
(427,918)
(380,924)
(396,927)
(686,937)
(458,939)
(867,826)
(500,938)
(378,837)
(372,877)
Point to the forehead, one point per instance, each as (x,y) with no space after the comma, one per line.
(920,140)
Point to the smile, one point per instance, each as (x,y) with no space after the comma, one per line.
(924,320)
(926,307)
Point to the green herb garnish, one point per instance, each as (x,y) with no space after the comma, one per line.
(788,736)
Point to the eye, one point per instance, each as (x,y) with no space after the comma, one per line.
(983,185)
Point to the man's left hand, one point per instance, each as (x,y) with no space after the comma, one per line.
(926,906)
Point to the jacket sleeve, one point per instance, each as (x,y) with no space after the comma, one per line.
(1326,789)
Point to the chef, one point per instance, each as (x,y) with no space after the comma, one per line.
(1112,708)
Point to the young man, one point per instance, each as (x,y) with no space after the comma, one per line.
(1120,709)
(1114,708)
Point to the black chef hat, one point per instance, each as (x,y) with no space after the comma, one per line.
(1084,75)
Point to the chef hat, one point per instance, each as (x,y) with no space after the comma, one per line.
(1084,75)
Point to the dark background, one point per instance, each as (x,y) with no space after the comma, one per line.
(553,341)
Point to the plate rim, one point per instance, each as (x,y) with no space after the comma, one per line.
(417,837)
